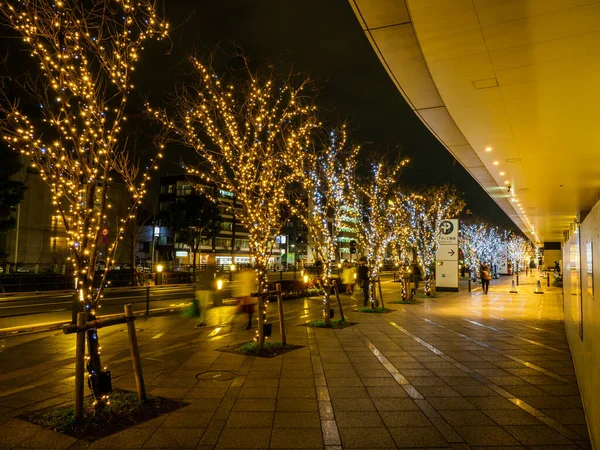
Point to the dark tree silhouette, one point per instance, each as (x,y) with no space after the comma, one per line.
(192,219)
(11,189)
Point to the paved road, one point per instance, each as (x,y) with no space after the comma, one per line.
(44,307)
(31,309)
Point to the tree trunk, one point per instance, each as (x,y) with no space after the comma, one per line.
(133,271)
(94,364)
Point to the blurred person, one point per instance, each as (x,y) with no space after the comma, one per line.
(244,286)
(348,277)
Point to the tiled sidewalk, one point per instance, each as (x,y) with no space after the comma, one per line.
(461,370)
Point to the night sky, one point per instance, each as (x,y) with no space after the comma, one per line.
(323,40)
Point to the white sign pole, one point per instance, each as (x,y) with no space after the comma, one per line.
(446,258)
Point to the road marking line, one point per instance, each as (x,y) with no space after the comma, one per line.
(159,335)
(560,428)
(503,353)
(554,349)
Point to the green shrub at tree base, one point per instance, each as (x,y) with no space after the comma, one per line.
(123,411)
(379,310)
(269,349)
(337,324)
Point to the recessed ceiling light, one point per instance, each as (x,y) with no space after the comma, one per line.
(502,174)
(488,149)
(496,163)
(507,182)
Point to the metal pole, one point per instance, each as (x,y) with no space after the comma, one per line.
(548,278)
(135,353)
(517,278)
(17,235)
(147,301)
(79,366)
(280,310)
(469,283)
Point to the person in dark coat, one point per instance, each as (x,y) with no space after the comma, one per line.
(486,276)
(362,276)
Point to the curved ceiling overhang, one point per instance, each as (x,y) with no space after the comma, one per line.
(503,86)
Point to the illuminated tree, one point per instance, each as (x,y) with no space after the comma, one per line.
(480,243)
(370,199)
(323,209)
(85,55)
(427,209)
(401,238)
(518,249)
(252,134)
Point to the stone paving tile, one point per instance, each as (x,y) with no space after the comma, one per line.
(547,402)
(291,382)
(363,419)
(366,438)
(297,419)
(243,419)
(486,435)
(296,392)
(297,404)
(258,392)
(386,391)
(244,438)
(466,418)
(348,392)
(475,391)
(47,439)
(175,438)
(130,438)
(512,417)
(349,404)
(251,404)
(396,419)
(395,404)
(439,391)
(188,419)
(537,435)
(296,438)
(379,382)
(426,381)
(354,381)
(410,437)
(449,403)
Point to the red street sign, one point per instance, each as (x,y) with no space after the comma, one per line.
(105,232)
(104,239)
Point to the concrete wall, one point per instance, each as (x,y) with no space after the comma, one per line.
(581,273)
(550,256)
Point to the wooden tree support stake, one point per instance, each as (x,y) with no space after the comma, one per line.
(339,302)
(280,310)
(135,353)
(380,293)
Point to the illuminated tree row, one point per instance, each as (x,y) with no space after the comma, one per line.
(322,205)
(253,134)
(426,210)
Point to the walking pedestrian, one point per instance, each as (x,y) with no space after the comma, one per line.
(244,286)
(348,278)
(362,276)
(486,276)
